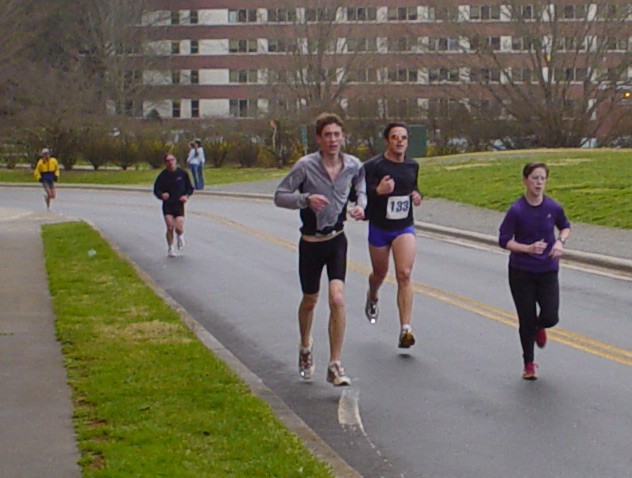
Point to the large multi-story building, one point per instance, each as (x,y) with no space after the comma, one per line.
(386,58)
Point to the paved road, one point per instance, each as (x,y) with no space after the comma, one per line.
(455,406)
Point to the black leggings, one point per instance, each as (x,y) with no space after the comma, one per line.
(529,289)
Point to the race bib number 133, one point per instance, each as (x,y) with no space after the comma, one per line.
(397,207)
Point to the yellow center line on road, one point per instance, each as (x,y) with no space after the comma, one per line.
(572,339)
(566,337)
(248,230)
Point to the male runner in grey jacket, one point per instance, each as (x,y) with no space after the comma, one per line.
(319,184)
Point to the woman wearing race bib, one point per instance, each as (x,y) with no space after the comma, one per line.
(391,183)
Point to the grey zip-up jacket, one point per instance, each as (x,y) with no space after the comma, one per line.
(308,176)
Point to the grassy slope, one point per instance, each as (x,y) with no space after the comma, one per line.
(150,400)
(594,186)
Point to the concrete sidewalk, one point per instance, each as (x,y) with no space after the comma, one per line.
(36,433)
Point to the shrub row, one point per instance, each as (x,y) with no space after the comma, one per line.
(100,148)
(142,144)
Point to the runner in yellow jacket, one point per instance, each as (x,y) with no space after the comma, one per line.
(47,173)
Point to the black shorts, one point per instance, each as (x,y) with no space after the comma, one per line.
(313,256)
(173,209)
(48,183)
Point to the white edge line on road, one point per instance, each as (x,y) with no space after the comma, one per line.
(349,414)
(348,410)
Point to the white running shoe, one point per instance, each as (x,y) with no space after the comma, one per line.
(371,309)
(306,361)
(171,252)
(180,242)
(336,375)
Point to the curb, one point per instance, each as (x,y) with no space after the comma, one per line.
(587,258)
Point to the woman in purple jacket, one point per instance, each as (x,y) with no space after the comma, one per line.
(528,231)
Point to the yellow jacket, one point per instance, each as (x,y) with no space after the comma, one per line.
(46,170)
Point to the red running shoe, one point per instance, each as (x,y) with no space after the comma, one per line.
(540,337)
(529,371)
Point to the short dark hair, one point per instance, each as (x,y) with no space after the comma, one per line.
(529,167)
(325,119)
(169,155)
(395,124)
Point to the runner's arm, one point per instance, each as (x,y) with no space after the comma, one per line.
(159,187)
(36,171)
(359,184)
(286,194)
(416,194)
(507,228)
(369,177)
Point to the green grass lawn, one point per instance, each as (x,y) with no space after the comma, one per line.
(594,186)
(149,399)
(212,176)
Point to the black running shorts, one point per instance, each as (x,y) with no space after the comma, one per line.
(173,209)
(313,256)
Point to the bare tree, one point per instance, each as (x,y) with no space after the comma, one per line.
(323,49)
(19,24)
(41,89)
(550,71)
(111,48)
(22,24)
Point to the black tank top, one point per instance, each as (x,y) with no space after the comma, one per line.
(392,211)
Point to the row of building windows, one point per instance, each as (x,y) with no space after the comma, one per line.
(249,108)
(416,45)
(193,76)
(396,75)
(401,107)
(492,12)
(176,109)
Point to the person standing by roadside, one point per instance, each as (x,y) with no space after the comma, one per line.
(391,183)
(319,184)
(196,160)
(47,173)
(173,187)
(528,231)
